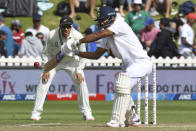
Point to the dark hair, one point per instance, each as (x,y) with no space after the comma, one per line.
(39,33)
(165,22)
(28,34)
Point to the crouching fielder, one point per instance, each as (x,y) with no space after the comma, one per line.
(64,36)
(123,43)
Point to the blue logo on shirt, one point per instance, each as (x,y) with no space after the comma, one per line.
(56,44)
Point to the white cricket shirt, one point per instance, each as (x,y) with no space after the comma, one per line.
(126,46)
(54,45)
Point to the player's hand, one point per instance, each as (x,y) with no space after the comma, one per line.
(79,77)
(75,49)
(45,77)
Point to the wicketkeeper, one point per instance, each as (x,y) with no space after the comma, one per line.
(63,36)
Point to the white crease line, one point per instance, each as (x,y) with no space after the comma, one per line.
(169,126)
(43,124)
(142,126)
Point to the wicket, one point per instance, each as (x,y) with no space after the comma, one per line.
(146,98)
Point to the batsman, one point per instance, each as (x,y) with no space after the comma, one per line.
(64,36)
(118,37)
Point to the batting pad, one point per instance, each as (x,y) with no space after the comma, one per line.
(131,105)
(121,103)
(123,83)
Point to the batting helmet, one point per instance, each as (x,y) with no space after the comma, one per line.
(105,12)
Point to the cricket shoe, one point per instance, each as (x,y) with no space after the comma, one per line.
(35,116)
(135,123)
(114,123)
(133,120)
(88,117)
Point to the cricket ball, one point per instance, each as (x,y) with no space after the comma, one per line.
(36,64)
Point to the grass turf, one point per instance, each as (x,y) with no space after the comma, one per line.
(63,115)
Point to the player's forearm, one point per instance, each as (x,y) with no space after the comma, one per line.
(88,55)
(90,38)
(96,36)
(53,62)
(50,65)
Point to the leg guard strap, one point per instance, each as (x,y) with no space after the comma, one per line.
(123,83)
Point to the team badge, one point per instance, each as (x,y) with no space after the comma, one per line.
(56,43)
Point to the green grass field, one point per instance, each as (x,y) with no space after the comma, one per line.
(65,115)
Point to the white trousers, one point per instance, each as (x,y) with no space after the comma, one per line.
(81,88)
(140,69)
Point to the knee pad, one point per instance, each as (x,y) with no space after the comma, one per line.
(123,83)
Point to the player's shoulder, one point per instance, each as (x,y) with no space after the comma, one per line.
(76,34)
(73,30)
(118,21)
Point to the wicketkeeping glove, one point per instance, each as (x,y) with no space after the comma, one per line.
(77,43)
(75,48)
